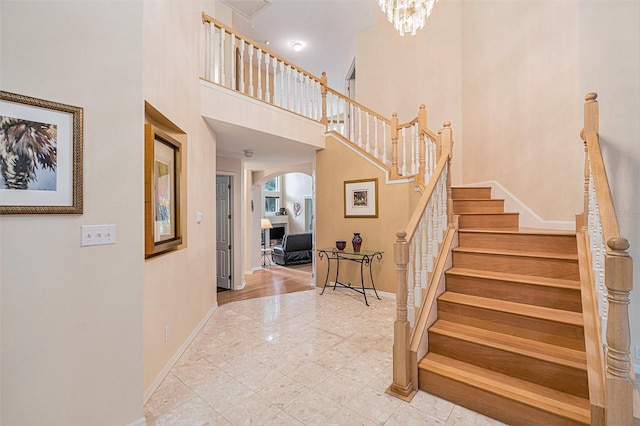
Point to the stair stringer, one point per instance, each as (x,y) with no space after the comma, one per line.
(428,311)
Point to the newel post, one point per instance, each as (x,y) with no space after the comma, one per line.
(401,386)
(619,281)
(422,129)
(446,148)
(323,91)
(394,146)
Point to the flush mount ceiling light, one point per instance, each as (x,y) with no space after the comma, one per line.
(248,153)
(407,16)
(296,46)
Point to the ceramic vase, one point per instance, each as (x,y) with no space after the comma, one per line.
(356,241)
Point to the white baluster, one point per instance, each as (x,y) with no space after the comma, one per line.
(282,86)
(429,218)
(267,71)
(375,137)
(384,142)
(360,121)
(424,251)
(212,57)
(413,150)
(404,151)
(250,53)
(207,50)
(259,71)
(352,126)
(417,265)
(232,60)
(368,144)
(243,83)
(223,79)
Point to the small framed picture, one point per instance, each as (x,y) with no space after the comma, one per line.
(163,160)
(361,198)
(40,156)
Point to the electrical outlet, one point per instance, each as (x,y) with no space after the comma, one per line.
(637,352)
(166,333)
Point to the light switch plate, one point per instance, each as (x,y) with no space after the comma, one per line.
(97,235)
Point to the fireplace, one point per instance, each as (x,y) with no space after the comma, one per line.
(276,233)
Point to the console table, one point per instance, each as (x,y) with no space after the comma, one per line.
(364,257)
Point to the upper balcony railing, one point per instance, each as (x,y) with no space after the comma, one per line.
(238,63)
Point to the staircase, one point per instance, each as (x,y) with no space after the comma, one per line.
(509,338)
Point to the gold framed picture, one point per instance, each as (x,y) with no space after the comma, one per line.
(40,156)
(361,198)
(163,159)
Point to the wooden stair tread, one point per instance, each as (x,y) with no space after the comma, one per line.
(530,348)
(560,403)
(524,231)
(516,278)
(538,312)
(520,253)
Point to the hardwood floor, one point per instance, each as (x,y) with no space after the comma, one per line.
(271,281)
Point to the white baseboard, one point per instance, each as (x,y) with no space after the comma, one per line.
(140,422)
(176,356)
(528,218)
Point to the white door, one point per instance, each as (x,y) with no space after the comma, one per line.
(223,231)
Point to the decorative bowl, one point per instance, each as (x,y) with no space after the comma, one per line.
(340,245)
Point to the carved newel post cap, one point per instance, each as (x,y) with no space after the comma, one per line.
(447,124)
(591,96)
(401,235)
(422,106)
(395,114)
(618,244)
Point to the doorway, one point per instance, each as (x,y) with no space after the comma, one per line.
(224,234)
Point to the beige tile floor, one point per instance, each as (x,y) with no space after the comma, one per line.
(295,359)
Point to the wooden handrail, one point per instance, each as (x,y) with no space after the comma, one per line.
(608,216)
(210,19)
(359,105)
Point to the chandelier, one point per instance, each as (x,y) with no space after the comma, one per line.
(407,15)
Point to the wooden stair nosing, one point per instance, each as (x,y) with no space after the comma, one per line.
(559,403)
(521,309)
(559,283)
(546,352)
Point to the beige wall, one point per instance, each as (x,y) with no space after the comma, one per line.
(520,101)
(334,165)
(610,66)
(71,316)
(179,287)
(398,74)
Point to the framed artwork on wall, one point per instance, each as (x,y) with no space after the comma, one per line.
(361,198)
(40,156)
(162,169)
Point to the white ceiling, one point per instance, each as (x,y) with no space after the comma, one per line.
(328,30)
